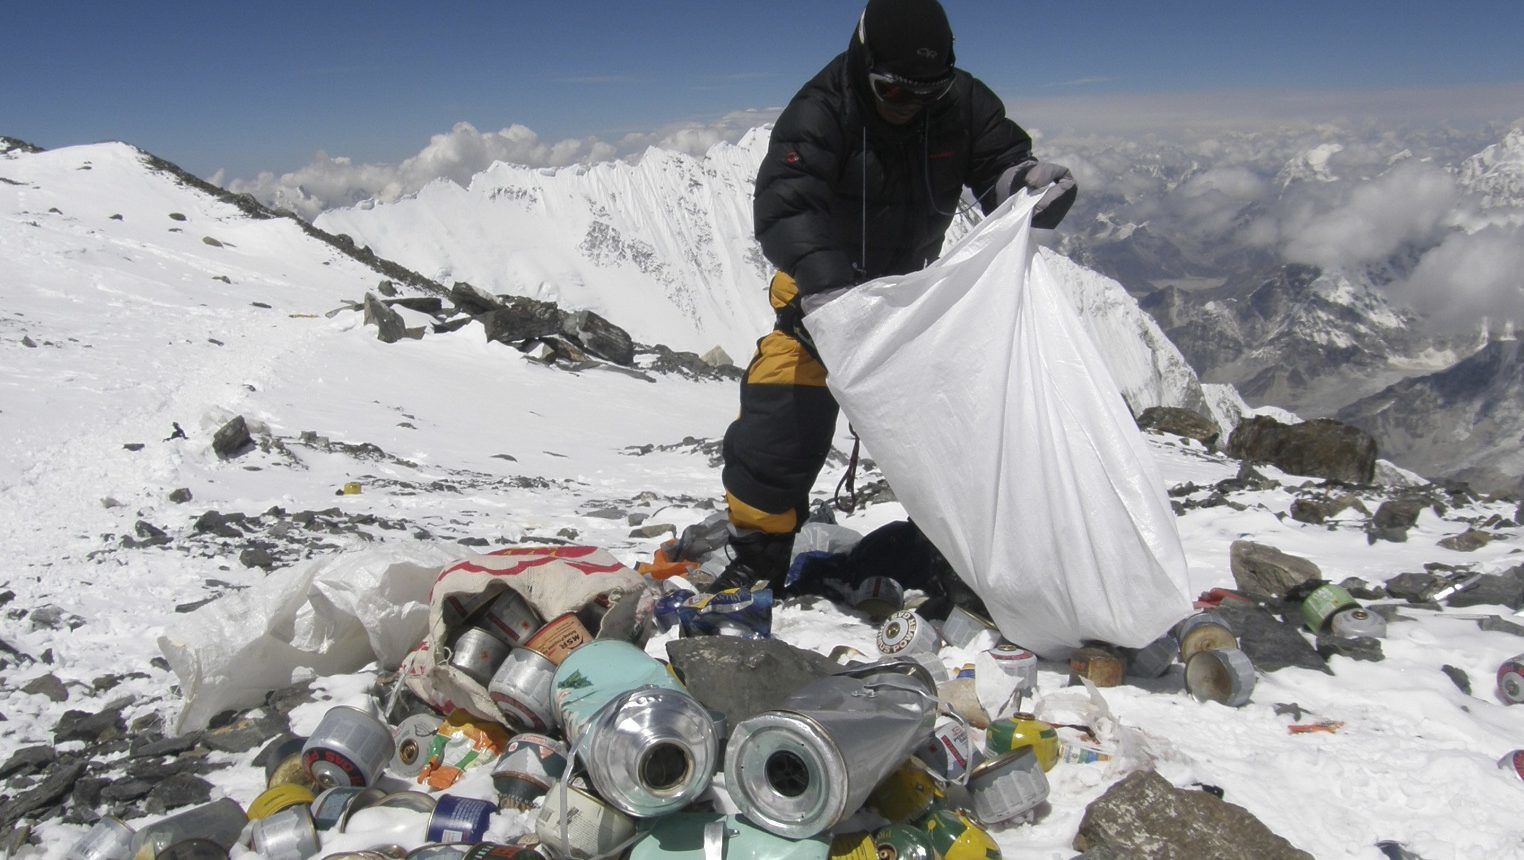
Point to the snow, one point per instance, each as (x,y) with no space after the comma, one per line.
(124,315)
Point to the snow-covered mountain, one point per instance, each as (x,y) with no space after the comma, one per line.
(1497,172)
(121,323)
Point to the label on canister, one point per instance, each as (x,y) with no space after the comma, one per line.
(499,851)
(1511,680)
(1016,662)
(878,597)
(1022,731)
(1322,603)
(559,637)
(593,828)
(510,618)
(348,747)
(954,836)
(906,633)
(947,752)
(459,819)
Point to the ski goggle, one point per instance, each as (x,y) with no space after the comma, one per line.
(897,90)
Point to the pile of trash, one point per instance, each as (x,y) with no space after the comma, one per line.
(531,722)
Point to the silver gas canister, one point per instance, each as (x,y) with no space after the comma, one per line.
(521,689)
(510,618)
(109,839)
(878,597)
(1225,676)
(1153,659)
(478,653)
(962,627)
(575,825)
(220,821)
(329,807)
(1511,680)
(530,764)
(649,746)
(412,739)
(1007,788)
(906,633)
(1204,631)
(947,753)
(286,835)
(348,747)
(804,767)
(1016,662)
(1357,621)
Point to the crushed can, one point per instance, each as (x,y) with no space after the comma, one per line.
(1225,676)
(477,653)
(275,799)
(649,746)
(509,618)
(527,769)
(802,768)
(742,612)
(1355,621)
(1016,662)
(713,836)
(521,689)
(1099,665)
(908,794)
(459,819)
(1319,606)
(1008,788)
(948,751)
(576,825)
(1511,680)
(1022,731)
(907,633)
(1204,631)
(1153,659)
(955,837)
(348,747)
(286,835)
(109,839)
(903,842)
(559,637)
(878,597)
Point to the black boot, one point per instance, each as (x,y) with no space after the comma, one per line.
(755,557)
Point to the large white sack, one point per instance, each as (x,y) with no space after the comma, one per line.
(975,388)
(328,616)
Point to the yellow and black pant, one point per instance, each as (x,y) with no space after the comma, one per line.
(775,449)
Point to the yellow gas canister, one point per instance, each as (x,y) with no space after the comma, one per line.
(954,836)
(279,797)
(1019,731)
(907,794)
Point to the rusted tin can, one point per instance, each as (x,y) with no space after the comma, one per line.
(906,633)
(903,842)
(521,689)
(1355,621)
(348,747)
(1007,788)
(1019,732)
(803,767)
(109,839)
(527,769)
(947,752)
(1225,676)
(908,794)
(273,800)
(962,628)
(220,821)
(559,638)
(286,835)
(411,742)
(1101,666)
(1153,659)
(1511,679)
(477,653)
(194,849)
(649,746)
(878,597)
(509,617)
(1513,763)
(1204,631)
(460,819)
(329,807)
(1016,662)
(954,836)
(575,825)
(1322,603)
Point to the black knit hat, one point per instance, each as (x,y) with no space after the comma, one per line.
(910,38)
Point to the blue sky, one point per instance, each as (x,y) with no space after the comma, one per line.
(263,86)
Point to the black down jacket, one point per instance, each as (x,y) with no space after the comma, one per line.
(844,196)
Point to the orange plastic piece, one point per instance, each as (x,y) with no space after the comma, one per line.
(1328,726)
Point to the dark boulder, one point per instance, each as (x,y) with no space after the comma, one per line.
(1321,448)
(1180,422)
(742,677)
(232,439)
(389,324)
(1264,571)
(521,319)
(1270,643)
(600,337)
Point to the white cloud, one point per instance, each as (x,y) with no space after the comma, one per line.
(1469,276)
(1411,203)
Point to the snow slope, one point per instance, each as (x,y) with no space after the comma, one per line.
(133,331)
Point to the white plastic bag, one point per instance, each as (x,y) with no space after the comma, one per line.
(976,390)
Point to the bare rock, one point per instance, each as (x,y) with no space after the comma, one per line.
(99,727)
(1366,648)
(233,439)
(1469,540)
(1320,448)
(44,795)
(1505,589)
(1270,643)
(1180,422)
(1501,625)
(47,685)
(1264,571)
(28,760)
(600,337)
(389,323)
(742,677)
(180,496)
(181,789)
(1145,817)
(1458,677)
(1414,587)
